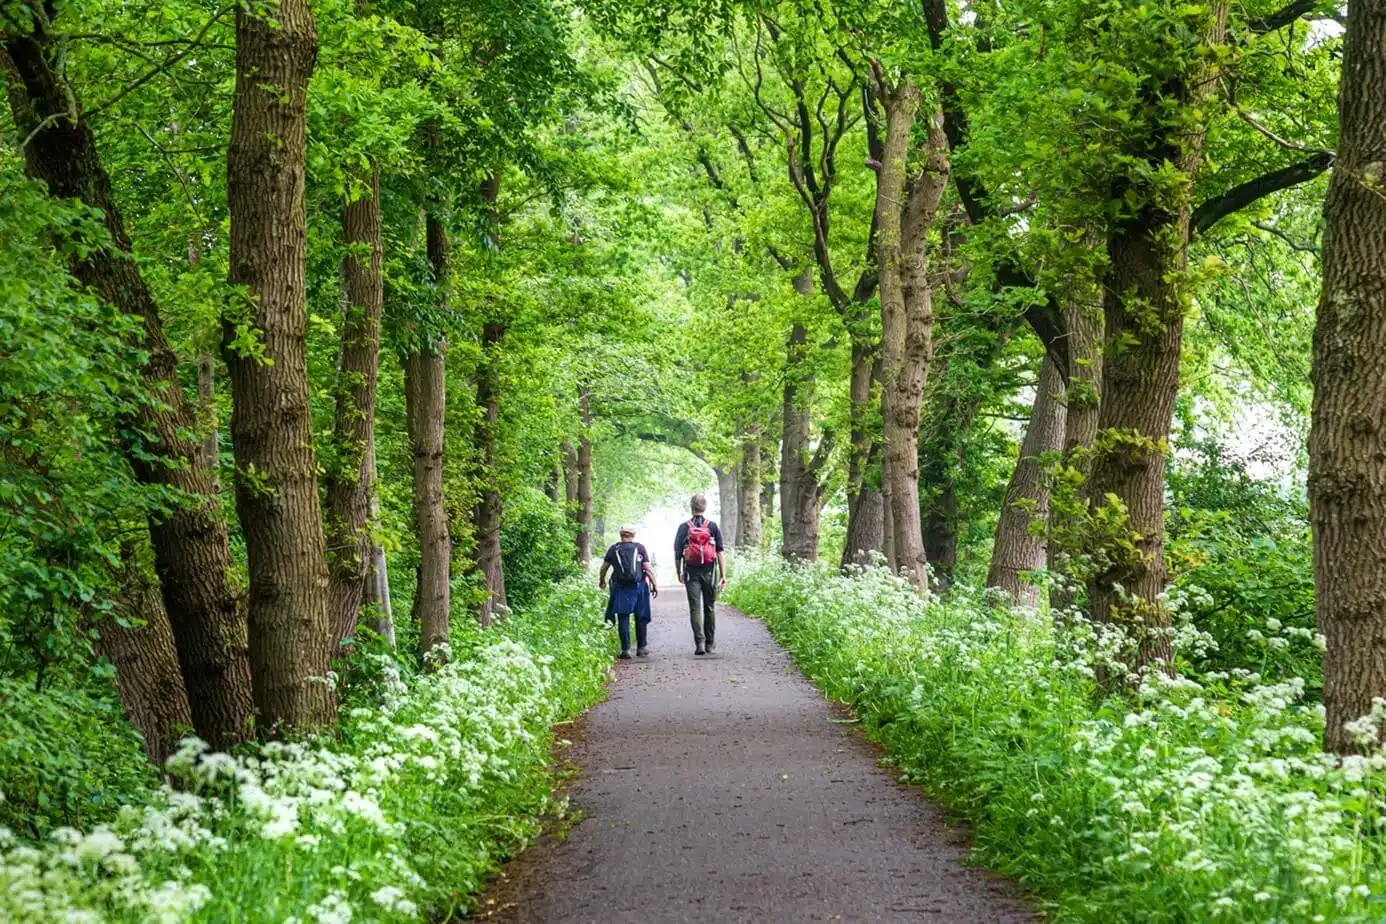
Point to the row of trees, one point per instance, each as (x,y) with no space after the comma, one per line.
(450,281)
(1034,174)
(369,250)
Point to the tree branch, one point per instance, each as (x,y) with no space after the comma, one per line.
(1240,196)
(1047,319)
(167,63)
(1283,16)
(1297,246)
(822,454)
(1285,143)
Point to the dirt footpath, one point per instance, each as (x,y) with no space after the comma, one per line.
(724,788)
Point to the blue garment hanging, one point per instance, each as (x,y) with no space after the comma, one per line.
(629,600)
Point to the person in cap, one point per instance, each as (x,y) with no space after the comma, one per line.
(702,570)
(632,586)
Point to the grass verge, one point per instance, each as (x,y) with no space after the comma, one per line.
(1193,799)
(398,817)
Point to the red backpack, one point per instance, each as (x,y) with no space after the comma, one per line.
(700,550)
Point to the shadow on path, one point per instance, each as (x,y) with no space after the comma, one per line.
(720,789)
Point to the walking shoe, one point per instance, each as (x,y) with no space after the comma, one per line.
(711,648)
(643,652)
(624,655)
(699,650)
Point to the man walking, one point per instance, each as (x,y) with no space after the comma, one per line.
(703,571)
(632,586)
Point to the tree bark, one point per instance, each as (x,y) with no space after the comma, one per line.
(584,481)
(905,212)
(867,533)
(941,518)
(888,516)
(571,480)
(350,485)
(767,496)
(488,510)
(425,402)
(376,591)
(192,555)
(1347,441)
(145,658)
(271,420)
(207,409)
(800,490)
(865,501)
(1082,398)
(728,499)
(1143,315)
(1018,547)
(748,496)
(554,489)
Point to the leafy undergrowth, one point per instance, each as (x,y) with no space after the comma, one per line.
(399,818)
(1194,799)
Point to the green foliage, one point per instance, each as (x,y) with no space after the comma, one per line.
(1242,570)
(403,814)
(537,541)
(66,380)
(1198,799)
(68,758)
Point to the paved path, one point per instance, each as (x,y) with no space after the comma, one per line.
(719,789)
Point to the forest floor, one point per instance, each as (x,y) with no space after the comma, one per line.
(725,788)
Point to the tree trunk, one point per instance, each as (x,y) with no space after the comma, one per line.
(584,472)
(571,485)
(350,486)
(749,484)
(191,553)
(1347,442)
(488,509)
(146,661)
(1082,398)
(1143,314)
(1018,547)
(554,489)
(207,409)
(941,525)
(950,417)
(865,503)
(866,517)
(271,421)
(425,401)
(799,488)
(767,497)
(728,497)
(376,592)
(907,315)
(887,515)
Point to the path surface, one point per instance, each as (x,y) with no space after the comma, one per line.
(718,789)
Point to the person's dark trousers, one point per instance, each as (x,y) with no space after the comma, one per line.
(702,598)
(642,630)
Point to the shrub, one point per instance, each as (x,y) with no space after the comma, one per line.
(1241,564)
(1194,799)
(537,545)
(399,818)
(67,758)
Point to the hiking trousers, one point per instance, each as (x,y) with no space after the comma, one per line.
(642,627)
(701,586)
